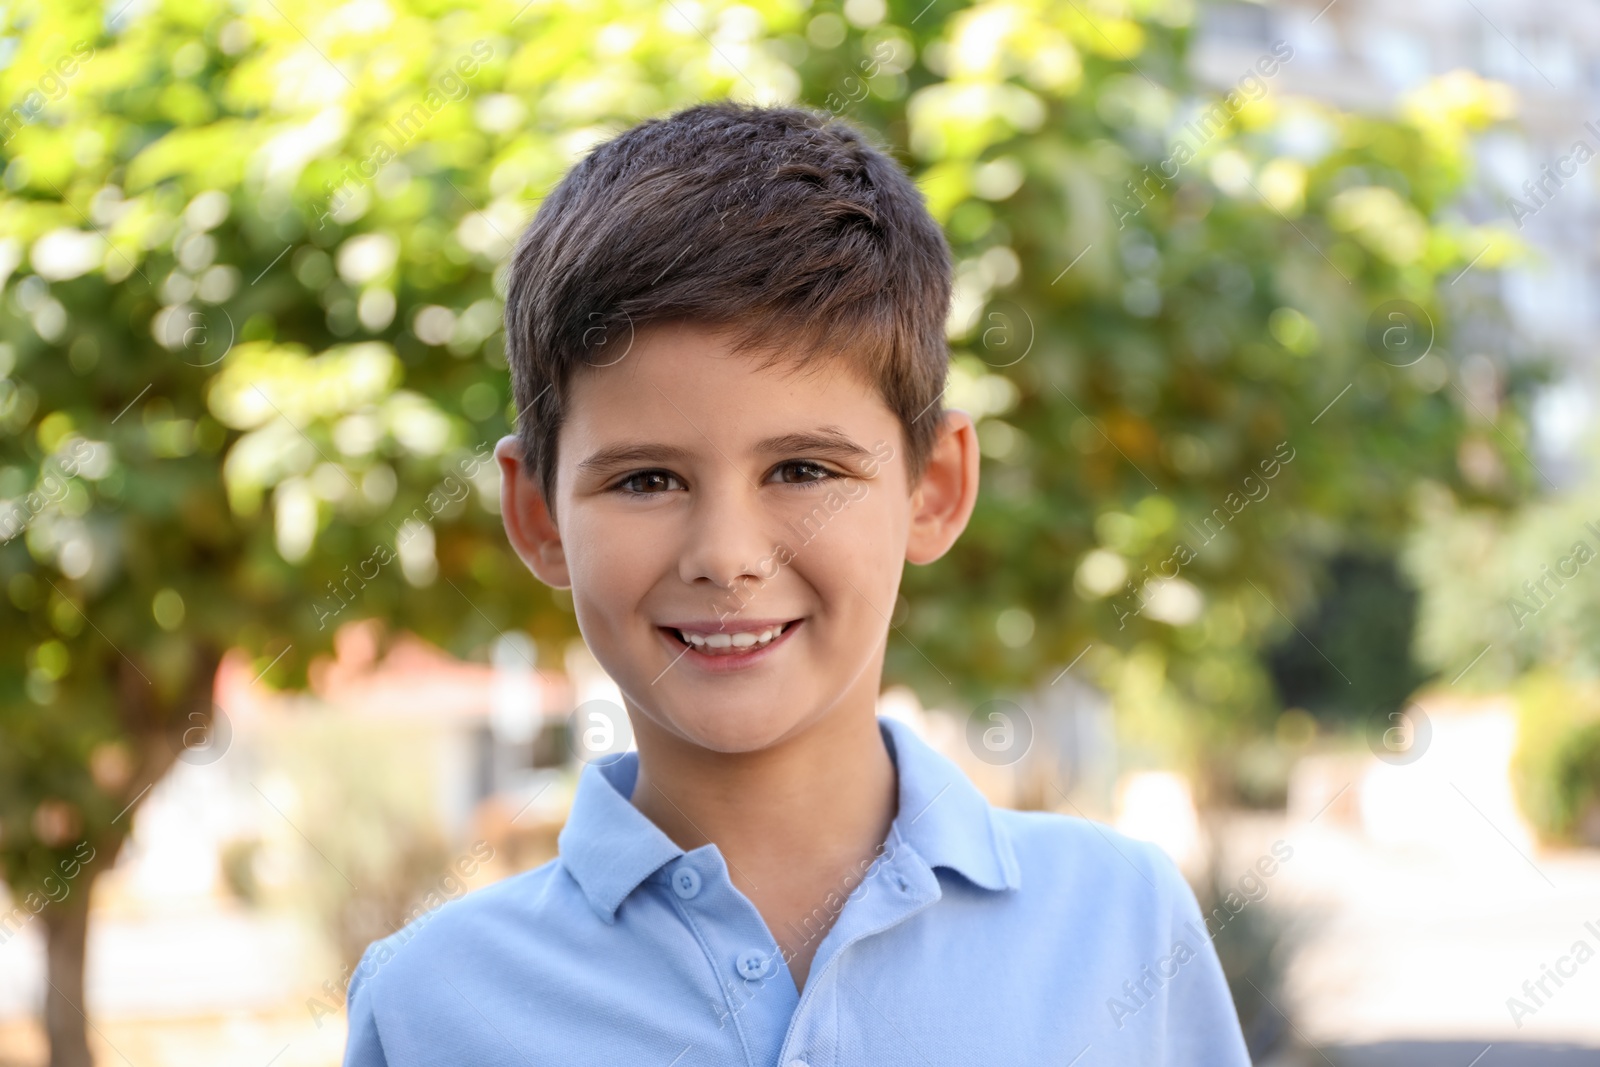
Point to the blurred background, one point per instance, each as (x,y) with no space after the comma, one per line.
(1277,319)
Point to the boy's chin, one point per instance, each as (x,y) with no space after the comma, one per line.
(736,730)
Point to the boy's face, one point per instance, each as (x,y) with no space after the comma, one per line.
(701,502)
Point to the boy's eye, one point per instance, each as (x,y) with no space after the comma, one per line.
(645,482)
(801,472)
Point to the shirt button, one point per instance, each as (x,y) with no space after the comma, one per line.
(686,882)
(751,964)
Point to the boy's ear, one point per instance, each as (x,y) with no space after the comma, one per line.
(943,498)
(529,525)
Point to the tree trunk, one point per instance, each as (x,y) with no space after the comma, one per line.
(65,1014)
(157,735)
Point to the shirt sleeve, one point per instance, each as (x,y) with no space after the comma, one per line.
(1202,1024)
(364,1048)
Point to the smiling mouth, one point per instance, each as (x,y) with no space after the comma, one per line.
(729,642)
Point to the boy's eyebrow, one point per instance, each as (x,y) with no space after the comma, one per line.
(621,455)
(826,440)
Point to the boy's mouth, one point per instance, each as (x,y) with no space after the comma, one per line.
(716,641)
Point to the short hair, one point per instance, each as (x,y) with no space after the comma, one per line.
(782,225)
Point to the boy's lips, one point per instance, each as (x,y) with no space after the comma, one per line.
(727,645)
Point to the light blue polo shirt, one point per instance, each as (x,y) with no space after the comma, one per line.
(979,935)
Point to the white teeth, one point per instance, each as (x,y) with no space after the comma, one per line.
(743,639)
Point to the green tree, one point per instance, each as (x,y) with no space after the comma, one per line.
(251,360)
(1213,337)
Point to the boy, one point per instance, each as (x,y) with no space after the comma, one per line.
(726,337)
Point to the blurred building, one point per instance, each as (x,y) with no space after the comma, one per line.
(495,728)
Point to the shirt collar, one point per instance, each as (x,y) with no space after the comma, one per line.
(610,847)
(943,816)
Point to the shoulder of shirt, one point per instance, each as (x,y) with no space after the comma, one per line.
(458,924)
(1054,850)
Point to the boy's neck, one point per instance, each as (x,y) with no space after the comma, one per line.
(791,820)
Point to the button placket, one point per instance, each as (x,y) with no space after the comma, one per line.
(902,886)
(739,949)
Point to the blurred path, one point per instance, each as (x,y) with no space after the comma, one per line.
(1411,917)
(196,987)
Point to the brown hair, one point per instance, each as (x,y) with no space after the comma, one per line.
(782,225)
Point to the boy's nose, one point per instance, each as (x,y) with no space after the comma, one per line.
(727,535)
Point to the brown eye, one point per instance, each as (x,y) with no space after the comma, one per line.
(802,472)
(649,482)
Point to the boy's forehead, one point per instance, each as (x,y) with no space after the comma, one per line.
(776,355)
(673,372)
